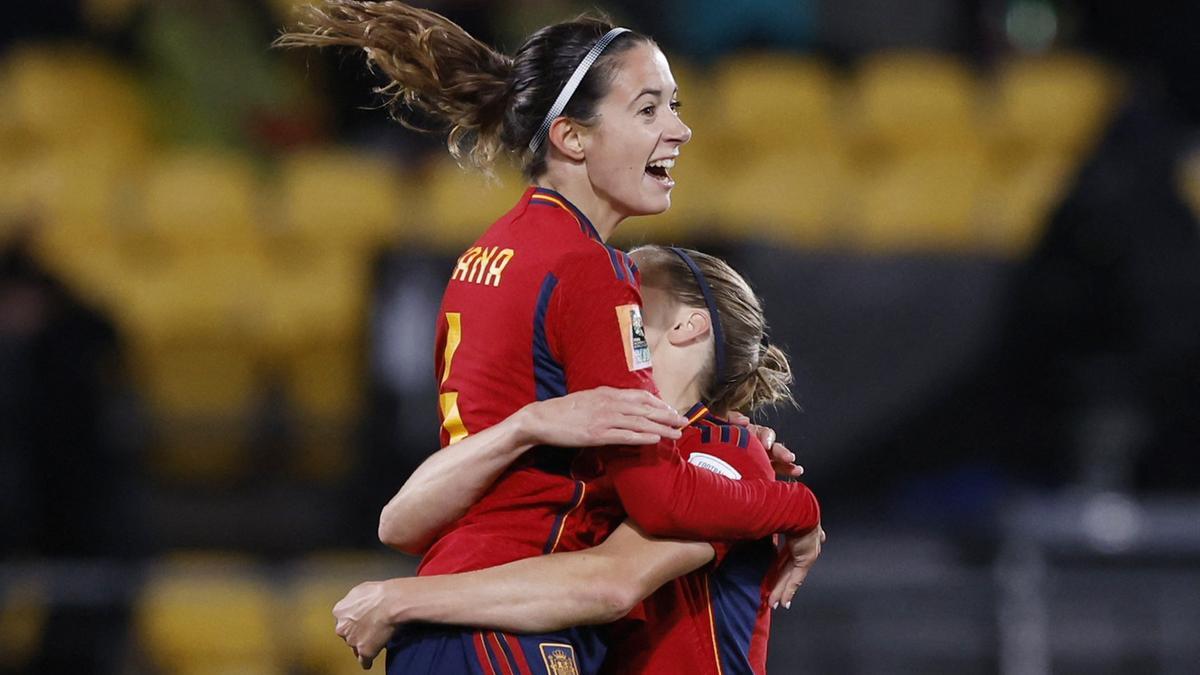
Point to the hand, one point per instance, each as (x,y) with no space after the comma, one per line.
(782,459)
(601,416)
(795,559)
(362,620)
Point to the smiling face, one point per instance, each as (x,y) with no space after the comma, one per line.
(633,144)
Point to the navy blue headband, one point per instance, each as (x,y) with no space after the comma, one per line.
(711,303)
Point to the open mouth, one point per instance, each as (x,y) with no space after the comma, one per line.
(659,170)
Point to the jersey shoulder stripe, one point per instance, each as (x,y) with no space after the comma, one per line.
(550,379)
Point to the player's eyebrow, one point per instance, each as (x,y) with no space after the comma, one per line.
(656,93)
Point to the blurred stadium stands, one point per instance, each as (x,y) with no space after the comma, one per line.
(254,377)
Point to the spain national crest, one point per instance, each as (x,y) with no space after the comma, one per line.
(559,658)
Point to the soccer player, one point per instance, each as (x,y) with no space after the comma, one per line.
(540,306)
(702,320)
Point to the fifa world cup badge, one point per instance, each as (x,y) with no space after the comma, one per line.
(633,337)
(559,658)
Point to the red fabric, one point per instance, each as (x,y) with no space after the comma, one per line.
(556,499)
(668,497)
(485,663)
(714,620)
(493,373)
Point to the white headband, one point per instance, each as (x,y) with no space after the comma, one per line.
(572,84)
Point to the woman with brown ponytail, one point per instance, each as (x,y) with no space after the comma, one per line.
(540,308)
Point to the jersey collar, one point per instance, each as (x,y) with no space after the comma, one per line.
(696,413)
(548,197)
(701,411)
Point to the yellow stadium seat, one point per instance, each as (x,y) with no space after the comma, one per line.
(87,259)
(195,360)
(48,83)
(460,204)
(919,203)
(342,198)
(219,620)
(199,381)
(775,103)
(196,297)
(1019,202)
(913,101)
(312,297)
(789,200)
(1056,103)
(200,199)
(327,383)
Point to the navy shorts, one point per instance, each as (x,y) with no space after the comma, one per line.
(452,650)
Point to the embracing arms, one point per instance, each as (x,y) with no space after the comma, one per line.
(534,595)
(452,479)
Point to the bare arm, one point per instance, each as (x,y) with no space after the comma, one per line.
(534,595)
(446,484)
(452,479)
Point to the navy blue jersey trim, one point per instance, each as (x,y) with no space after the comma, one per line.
(556,529)
(590,229)
(626,265)
(549,377)
(615,258)
(706,434)
(735,591)
(743,438)
(487,649)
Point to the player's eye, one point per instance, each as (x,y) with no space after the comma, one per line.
(648,111)
(676,105)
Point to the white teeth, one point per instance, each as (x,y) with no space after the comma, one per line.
(663,164)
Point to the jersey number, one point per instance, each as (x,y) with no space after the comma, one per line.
(448,400)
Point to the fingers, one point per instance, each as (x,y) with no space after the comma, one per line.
(766,436)
(636,422)
(643,403)
(738,418)
(780,453)
(794,579)
(782,568)
(626,437)
(795,560)
(787,469)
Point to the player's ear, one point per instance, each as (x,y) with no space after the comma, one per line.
(566,138)
(691,325)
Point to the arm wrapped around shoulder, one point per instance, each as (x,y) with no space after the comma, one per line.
(668,497)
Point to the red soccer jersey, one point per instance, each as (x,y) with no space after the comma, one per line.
(713,621)
(537,308)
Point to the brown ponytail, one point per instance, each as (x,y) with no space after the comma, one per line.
(757,374)
(489,102)
(434,67)
(767,382)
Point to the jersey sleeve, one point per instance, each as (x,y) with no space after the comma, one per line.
(669,497)
(596,319)
(742,458)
